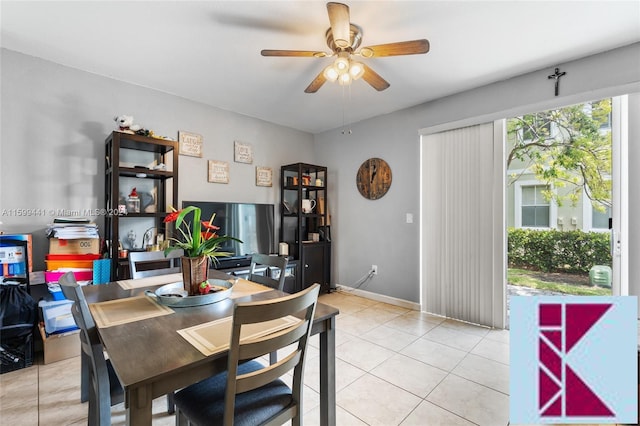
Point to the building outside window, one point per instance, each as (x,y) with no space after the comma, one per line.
(535,208)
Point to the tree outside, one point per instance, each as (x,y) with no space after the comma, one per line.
(565,148)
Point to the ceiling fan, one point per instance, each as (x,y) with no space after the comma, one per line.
(344,38)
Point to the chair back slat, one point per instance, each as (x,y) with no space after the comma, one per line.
(144,264)
(250,381)
(267,310)
(272,261)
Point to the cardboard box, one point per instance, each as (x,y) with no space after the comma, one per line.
(77,246)
(61,346)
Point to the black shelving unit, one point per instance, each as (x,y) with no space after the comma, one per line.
(301,181)
(130,161)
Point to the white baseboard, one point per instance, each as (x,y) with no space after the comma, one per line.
(380,297)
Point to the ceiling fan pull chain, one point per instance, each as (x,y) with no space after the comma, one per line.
(346,103)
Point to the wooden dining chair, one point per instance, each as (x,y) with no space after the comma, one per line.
(249,393)
(104,388)
(270,261)
(144,264)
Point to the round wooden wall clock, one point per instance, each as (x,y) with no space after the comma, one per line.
(373,178)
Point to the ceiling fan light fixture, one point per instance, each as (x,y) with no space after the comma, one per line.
(343,39)
(342,65)
(344,79)
(330,73)
(356,70)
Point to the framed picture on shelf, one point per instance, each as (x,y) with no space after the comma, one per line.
(218,171)
(243,152)
(264,176)
(190,144)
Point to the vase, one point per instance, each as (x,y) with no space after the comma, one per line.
(194,272)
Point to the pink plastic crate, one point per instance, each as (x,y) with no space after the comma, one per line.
(54,276)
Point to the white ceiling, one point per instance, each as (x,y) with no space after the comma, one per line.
(209,51)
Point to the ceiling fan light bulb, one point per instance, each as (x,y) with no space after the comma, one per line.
(330,73)
(344,79)
(341,65)
(356,70)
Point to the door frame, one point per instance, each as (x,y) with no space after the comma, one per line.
(620,194)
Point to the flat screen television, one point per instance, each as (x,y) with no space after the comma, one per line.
(251,223)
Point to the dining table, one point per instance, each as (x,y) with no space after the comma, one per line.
(151,357)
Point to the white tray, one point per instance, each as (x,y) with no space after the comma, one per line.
(174,295)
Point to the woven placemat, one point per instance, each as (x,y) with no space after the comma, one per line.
(244,287)
(212,337)
(150,281)
(122,311)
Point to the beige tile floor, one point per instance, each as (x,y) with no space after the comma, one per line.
(394,367)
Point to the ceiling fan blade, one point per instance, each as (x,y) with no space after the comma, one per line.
(374,79)
(412,47)
(304,53)
(316,83)
(339,19)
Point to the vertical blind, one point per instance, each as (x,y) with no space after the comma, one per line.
(463,230)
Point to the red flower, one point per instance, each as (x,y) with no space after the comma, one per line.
(198,238)
(207,235)
(172,217)
(209,231)
(210,226)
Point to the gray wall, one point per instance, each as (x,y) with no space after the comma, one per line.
(55,119)
(54,123)
(375,232)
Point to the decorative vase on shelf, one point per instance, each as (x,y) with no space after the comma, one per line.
(194,272)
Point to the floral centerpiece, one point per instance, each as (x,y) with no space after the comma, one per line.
(200,242)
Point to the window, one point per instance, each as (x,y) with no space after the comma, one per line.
(600,111)
(596,214)
(535,207)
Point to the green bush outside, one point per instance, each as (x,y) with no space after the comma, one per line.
(557,251)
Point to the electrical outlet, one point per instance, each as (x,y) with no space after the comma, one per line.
(374,269)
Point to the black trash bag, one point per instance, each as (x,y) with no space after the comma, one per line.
(16,306)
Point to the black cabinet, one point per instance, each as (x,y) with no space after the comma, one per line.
(305,222)
(151,166)
(316,263)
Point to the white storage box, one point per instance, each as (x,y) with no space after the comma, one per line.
(57,316)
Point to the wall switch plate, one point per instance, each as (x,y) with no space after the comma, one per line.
(409,218)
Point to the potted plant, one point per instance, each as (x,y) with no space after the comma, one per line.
(200,242)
